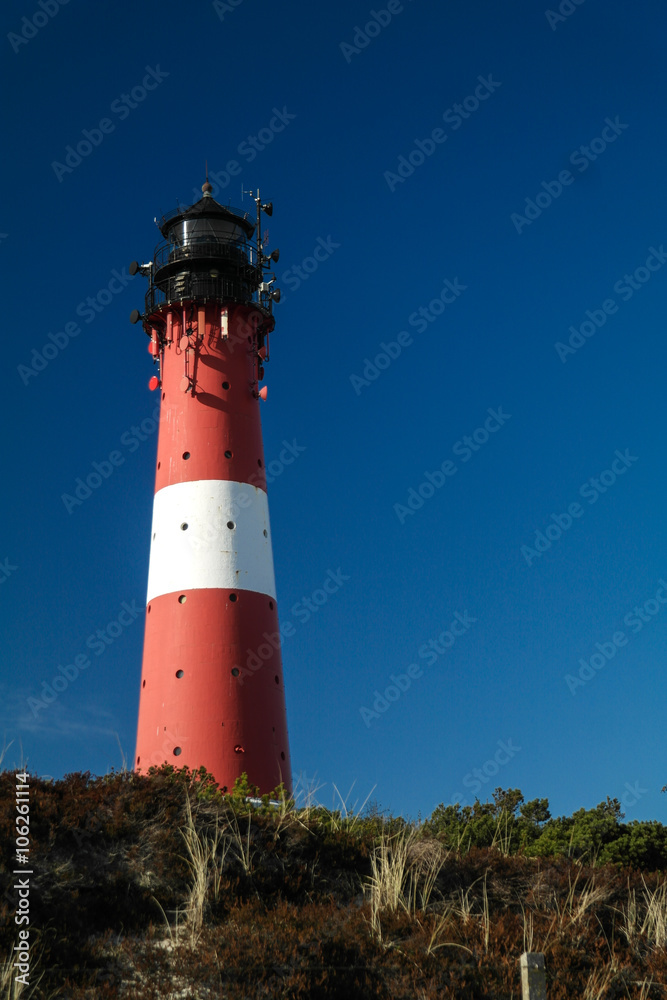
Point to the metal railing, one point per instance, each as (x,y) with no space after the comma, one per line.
(238,252)
(206,269)
(200,286)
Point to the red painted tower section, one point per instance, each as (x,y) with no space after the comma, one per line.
(212,684)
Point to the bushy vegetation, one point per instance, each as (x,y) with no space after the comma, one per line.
(161,886)
(512,825)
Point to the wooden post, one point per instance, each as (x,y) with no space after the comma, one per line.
(533,978)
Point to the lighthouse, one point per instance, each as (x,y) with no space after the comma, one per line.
(212,690)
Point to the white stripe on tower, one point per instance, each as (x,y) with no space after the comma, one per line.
(208,534)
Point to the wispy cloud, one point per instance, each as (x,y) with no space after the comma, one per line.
(62,721)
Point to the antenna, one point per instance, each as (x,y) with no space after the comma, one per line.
(258,234)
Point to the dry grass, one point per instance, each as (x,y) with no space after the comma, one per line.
(486,923)
(428,858)
(404,874)
(502,836)
(630,914)
(389,875)
(599,982)
(206,864)
(305,801)
(441,923)
(646,988)
(11,990)
(573,907)
(346,817)
(269,904)
(467,905)
(654,926)
(239,842)
(647,918)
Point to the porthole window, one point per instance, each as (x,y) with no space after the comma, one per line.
(186,455)
(233,597)
(177,751)
(179,673)
(182,599)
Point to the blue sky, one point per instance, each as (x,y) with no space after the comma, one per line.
(534,207)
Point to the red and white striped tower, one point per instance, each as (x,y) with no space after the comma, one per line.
(211,684)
